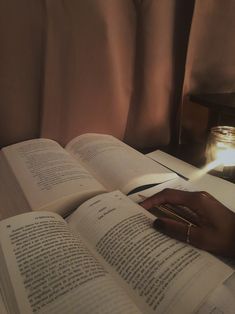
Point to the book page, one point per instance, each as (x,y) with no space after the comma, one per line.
(48,176)
(178,184)
(50,270)
(3,309)
(162,275)
(175,164)
(223,191)
(198,179)
(115,164)
(12,200)
(221,301)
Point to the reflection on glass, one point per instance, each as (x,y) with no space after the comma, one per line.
(221,149)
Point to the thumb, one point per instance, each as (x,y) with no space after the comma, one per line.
(178,230)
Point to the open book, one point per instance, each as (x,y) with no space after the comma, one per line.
(41,175)
(106,258)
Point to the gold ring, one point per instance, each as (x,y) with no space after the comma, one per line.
(188,233)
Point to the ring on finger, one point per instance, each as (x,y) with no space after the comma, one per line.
(188,233)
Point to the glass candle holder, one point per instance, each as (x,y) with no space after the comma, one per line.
(221,150)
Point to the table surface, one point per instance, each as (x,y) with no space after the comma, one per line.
(217,101)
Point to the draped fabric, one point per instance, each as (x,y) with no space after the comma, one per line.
(210,65)
(122,67)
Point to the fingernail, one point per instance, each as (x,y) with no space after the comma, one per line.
(159,224)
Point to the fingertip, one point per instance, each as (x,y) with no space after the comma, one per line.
(159,224)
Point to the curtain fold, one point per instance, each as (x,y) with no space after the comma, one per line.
(22,26)
(89,67)
(210,64)
(122,67)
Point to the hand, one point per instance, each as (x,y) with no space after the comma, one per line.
(215,229)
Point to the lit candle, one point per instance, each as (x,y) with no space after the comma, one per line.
(221,148)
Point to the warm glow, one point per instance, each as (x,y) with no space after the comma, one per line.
(226,156)
(201,172)
(221,145)
(220,152)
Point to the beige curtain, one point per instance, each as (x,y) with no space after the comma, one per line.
(110,66)
(210,62)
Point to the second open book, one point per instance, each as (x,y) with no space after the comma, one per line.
(41,175)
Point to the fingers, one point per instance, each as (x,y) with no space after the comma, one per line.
(201,203)
(215,231)
(180,231)
(203,238)
(170,196)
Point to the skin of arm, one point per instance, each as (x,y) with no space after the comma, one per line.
(215,224)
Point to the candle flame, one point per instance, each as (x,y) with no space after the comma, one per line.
(225,158)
